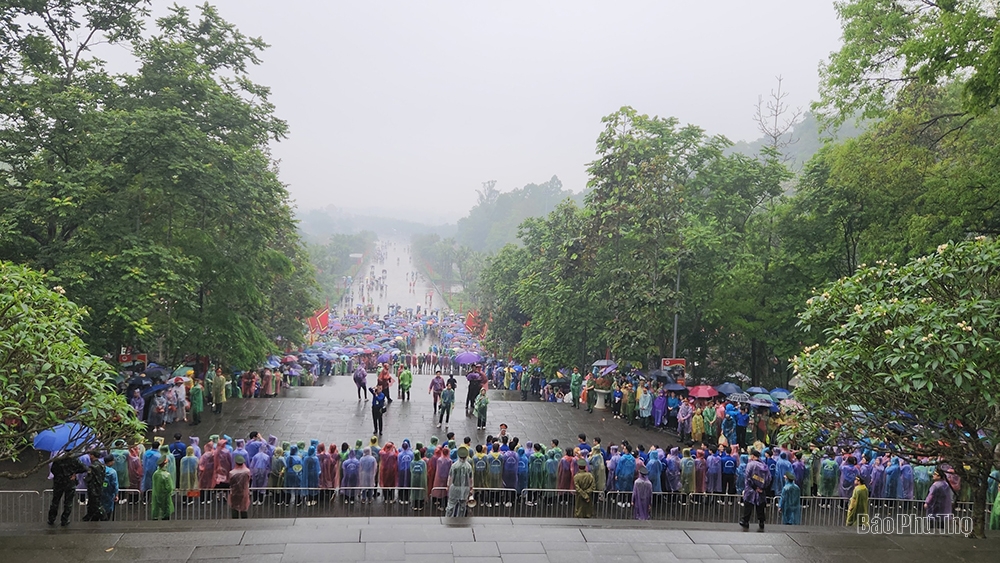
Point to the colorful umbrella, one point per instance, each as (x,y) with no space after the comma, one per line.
(703,392)
(64,437)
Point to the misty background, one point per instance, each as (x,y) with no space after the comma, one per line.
(400,110)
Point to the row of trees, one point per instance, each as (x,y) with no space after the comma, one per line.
(150,196)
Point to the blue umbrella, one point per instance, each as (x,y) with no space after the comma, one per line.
(152,390)
(728,388)
(64,437)
(756,390)
(674,387)
(778,393)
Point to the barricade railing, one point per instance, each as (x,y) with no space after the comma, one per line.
(21,507)
(300,502)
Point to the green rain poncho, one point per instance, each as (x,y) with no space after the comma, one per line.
(708,416)
(405,380)
(418,476)
(163,492)
(687,472)
(536,471)
(595,464)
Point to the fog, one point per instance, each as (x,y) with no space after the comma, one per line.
(402,109)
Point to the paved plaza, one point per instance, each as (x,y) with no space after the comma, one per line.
(476,540)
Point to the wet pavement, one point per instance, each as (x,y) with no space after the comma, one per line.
(473,540)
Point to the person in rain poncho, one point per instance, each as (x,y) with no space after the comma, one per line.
(659,408)
(645,407)
(625,471)
(294,476)
(906,481)
(584,485)
(708,418)
(828,476)
(684,415)
(790,501)
(367,471)
(700,470)
(404,459)
(310,473)
(188,481)
(120,453)
(576,386)
(206,472)
(741,473)
(596,467)
(655,468)
(891,489)
(361,380)
(697,426)
(876,487)
(459,485)
(163,490)
(672,471)
(350,477)
(157,412)
(536,472)
(109,494)
(713,473)
(687,473)
(480,407)
(922,480)
(642,495)
(939,497)
(388,471)
(418,481)
(565,471)
(848,471)
(523,474)
(729,428)
(439,488)
(223,465)
(135,474)
(239,489)
(405,383)
(758,478)
(628,402)
(260,469)
(857,508)
(781,468)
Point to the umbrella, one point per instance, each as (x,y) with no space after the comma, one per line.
(184,371)
(152,390)
(778,393)
(603,363)
(755,390)
(703,392)
(383,358)
(739,398)
(289,359)
(139,381)
(64,437)
(609,369)
(156,372)
(468,358)
(728,388)
(660,374)
(763,397)
(760,402)
(674,387)
(177,380)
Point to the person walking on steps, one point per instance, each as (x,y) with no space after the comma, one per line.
(378,409)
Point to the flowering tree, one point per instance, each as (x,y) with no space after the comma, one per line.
(47,376)
(907,359)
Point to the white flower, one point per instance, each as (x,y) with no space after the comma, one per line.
(942,248)
(59,289)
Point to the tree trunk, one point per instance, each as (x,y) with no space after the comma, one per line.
(979,496)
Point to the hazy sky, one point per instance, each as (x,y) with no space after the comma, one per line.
(404,108)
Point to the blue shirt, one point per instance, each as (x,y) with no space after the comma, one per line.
(378,401)
(729,464)
(742,419)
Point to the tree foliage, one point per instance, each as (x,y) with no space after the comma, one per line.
(906,359)
(151,197)
(890,44)
(47,374)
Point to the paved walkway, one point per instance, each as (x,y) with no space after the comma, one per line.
(475,540)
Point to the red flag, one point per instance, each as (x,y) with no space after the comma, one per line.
(313,325)
(322,319)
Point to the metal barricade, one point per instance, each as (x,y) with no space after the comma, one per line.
(545,503)
(21,507)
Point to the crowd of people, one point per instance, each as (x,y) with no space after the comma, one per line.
(445,475)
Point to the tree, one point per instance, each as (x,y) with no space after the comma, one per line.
(47,374)
(905,359)
(150,197)
(890,44)
(776,120)
(638,185)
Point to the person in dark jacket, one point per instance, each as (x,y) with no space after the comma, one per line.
(64,472)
